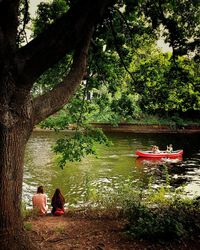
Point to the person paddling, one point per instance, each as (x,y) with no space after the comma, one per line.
(170,148)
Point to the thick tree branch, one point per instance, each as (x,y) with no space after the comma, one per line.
(60,38)
(54,100)
(8,27)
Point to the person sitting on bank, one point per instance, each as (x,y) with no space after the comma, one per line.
(169,148)
(57,203)
(40,201)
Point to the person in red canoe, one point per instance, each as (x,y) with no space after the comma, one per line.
(155,149)
(57,203)
(170,148)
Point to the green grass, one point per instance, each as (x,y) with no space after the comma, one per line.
(28,226)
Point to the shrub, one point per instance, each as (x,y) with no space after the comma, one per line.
(180,219)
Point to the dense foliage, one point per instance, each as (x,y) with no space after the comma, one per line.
(177,221)
(132,76)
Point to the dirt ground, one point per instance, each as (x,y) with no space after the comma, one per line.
(73,232)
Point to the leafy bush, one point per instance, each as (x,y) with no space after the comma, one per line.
(163,214)
(153,224)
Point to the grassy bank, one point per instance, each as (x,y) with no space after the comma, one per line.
(60,121)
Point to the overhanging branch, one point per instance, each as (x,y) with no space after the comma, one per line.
(119,50)
(60,38)
(55,99)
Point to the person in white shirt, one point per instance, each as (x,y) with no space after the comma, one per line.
(40,201)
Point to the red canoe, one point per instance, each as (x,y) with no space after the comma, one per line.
(161,154)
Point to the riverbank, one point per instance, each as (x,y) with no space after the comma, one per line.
(75,231)
(134,128)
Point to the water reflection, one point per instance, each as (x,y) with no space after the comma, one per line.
(111,166)
(140,161)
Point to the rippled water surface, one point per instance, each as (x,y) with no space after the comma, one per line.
(114,164)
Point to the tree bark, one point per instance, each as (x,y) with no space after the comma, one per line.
(12,146)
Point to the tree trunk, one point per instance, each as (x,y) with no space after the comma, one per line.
(12,147)
(18,112)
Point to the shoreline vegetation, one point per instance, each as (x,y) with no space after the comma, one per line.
(134,128)
(144,124)
(145,128)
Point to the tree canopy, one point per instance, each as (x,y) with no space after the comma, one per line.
(131,72)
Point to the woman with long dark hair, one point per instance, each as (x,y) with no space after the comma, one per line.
(57,203)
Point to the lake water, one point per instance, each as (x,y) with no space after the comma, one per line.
(113,164)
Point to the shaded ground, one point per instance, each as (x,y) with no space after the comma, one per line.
(75,232)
